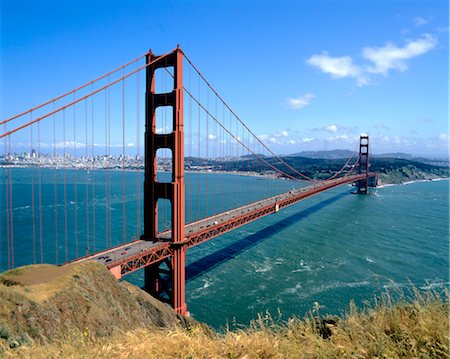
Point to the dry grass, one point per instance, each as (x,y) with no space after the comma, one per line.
(414,328)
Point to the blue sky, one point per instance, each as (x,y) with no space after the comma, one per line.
(303,75)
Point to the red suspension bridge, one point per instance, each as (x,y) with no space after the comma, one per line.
(73,171)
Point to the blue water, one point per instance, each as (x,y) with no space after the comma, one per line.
(331,249)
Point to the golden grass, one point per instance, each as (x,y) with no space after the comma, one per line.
(415,328)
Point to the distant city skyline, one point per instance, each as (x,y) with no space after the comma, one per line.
(303,75)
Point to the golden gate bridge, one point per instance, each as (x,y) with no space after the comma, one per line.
(189,134)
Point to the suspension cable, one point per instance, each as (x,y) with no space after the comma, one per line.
(84,97)
(239,141)
(74,90)
(237,117)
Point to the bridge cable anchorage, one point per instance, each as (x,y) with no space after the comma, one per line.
(73,91)
(81,98)
(248,129)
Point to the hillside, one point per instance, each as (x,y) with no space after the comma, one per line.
(44,303)
(400,171)
(81,311)
(390,170)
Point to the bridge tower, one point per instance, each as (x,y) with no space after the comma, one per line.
(363,164)
(166,284)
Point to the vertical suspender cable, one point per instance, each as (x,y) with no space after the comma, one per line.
(75,205)
(33,223)
(190,215)
(55,188)
(40,191)
(86,171)
(109,212)
(11,226)
(106,171)
(6,206)
(198,154)
(66,247)
(93,173)
(207,155)
(124,210)
(138,159)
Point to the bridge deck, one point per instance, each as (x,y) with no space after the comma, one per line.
(129,257)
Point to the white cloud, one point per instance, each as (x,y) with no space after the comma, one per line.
(381,60)
(212,137)
(291,142)
(390,56)
(344,137)
(338,67)
(300,101)
(69,144)
(131,144)
(420,21)
(283,133)
(443,137)
(331,128)
(165,129)
(308,139)
(273,140)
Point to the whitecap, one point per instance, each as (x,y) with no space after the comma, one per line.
(264,268)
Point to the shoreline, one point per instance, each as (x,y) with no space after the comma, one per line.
(234,173)
(412,182)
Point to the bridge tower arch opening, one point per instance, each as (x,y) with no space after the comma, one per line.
(165,280)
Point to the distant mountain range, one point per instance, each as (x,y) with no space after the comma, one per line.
(336,154)
(328,155)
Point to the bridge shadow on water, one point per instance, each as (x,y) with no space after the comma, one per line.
(207,263)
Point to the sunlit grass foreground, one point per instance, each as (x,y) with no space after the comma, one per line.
(417,327)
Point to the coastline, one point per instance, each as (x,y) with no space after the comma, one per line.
(272,176)
(411,182)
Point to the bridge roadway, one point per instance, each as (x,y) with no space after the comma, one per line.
(129,257)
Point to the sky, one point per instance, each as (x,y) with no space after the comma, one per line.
(302,74)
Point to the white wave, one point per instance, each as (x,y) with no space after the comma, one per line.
(264,268)
(370,260)
(293,290)
(21,208)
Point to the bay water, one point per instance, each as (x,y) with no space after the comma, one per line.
(323,252)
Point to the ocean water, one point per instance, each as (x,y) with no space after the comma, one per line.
(330,249)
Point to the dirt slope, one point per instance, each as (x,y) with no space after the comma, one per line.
(49,302)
